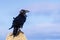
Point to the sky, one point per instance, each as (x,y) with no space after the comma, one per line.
(43,20)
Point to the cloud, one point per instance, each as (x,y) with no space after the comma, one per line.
(45,10)
(43,6)
(44,30)
(48,9)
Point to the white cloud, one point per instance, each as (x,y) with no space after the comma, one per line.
(43,6)
(44,28)
(53,10)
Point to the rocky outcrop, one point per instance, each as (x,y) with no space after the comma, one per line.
(21,36)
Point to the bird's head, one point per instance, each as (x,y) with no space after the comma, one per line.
(23,12)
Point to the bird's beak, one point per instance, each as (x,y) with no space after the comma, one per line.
(27,11)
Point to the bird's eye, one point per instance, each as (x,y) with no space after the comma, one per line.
(21,11)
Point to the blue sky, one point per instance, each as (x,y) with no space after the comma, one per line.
(43,21)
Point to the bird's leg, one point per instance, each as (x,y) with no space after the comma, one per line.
(21,31)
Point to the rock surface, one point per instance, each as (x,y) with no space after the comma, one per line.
(21,36)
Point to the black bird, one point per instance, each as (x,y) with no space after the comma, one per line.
(18,22)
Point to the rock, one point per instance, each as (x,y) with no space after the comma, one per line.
(21,36)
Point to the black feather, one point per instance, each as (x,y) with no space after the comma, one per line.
(18,22)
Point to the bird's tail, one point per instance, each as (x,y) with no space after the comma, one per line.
(15,32)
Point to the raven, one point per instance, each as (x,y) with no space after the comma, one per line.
(18,22)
